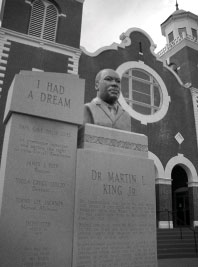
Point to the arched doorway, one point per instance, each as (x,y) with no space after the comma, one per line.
(180,197)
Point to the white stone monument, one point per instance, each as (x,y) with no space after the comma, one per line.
(37,179)
(66,207)
(115,213)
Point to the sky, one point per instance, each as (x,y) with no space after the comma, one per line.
(104,21)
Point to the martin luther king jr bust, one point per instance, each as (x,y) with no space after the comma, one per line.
(104,110)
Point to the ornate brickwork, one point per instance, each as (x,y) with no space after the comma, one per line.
(115,143)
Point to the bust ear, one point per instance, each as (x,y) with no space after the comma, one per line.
(97,86)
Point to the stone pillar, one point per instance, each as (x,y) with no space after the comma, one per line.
(193,203)
(164,203)
(115,209)
(37,176)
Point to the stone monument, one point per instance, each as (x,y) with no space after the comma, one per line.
(115,213)
(66,207)
(115,208)
(37,179)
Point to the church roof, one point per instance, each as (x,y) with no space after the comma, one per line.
(179,13)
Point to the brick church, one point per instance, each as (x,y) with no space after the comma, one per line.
(159,90)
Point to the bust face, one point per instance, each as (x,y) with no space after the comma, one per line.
(108,86)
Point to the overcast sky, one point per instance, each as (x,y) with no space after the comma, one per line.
(104,20)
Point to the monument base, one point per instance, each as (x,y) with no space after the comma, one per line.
(38,184)
(115,213)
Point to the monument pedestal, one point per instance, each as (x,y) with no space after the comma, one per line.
(59,206)
(38,170)
(115,213)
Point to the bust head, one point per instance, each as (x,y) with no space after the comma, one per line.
(107,85)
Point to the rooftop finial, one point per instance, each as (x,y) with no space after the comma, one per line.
(177,6)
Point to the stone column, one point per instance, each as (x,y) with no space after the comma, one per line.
(193,203)
(37,176)
(164,203)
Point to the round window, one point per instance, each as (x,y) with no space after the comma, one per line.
(144,94)
(141,91)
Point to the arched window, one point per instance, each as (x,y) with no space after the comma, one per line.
(43,20)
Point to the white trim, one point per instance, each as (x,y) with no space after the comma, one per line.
(194,92)
(178,44)
(40,43)
(2,61)
(125,41)
(165,224)
(4,53)
(6,48)
(174,73)
(59,14)
(62,15)
(164,181)
(25,39)
(193,184)
(159,169)
(113,46)
(144,119)
(72,72)
(184,163)
(195,223)
(39,70)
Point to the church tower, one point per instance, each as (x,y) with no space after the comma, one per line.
(42,35)
(181,54)
(181,51)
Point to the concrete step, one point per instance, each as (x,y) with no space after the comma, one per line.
(170,244)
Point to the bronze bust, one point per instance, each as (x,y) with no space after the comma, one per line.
(105,110)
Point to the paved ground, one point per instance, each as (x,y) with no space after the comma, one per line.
(191,262)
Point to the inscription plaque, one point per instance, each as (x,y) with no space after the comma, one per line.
(49,95)
(37,177)
(115,217)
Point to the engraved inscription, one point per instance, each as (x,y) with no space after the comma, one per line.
(115,221)
(105,232)
(36,256)
(39,204)
(115,182)
(54,94)
(42,148)
(37,227)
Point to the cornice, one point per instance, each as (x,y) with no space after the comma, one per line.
(40,43)
(176,45)
(125,41)
(163,181)
(175,16)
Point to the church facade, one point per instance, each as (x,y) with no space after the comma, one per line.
(159,90)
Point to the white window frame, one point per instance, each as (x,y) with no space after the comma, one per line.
(158,115)
(44,30)
(151,82)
